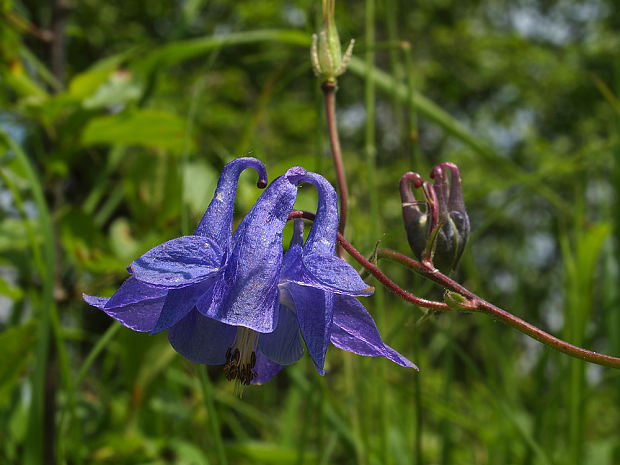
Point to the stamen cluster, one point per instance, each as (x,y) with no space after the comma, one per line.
(235,369)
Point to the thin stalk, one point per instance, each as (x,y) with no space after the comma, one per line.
(447,442)
(95,351)
(207,394)
(40,267)
(191,117)
(414,136)
(371,169)
(482,306)
(354,394)
(391,13)
(613,318)
(417,385)
(35,437)
(329,93)
(414,144)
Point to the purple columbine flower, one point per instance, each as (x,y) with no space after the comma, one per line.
(317,297)
(235,300)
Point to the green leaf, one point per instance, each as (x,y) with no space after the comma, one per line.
(198,186)
(13,235)
(14,293)
(260,452)
(187,453)
(118,89)
(17,344)
(30,91)
(151,128)
(177,52)
(85,84)
(123,244)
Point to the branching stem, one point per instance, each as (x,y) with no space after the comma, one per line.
(475,303)
(483,306)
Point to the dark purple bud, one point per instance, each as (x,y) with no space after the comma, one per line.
(444,211)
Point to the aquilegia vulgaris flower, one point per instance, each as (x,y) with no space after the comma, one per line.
(235,300)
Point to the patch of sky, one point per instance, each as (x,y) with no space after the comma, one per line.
(351,119)
(557,25)
(14,130)
(222,29)
(391,139)
(552,308)
(508,135)
(18,133)
(293,15)
(503,282)
(9,275)
(540,249)
(532,350)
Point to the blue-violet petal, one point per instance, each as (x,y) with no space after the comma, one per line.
(201,339)
(354,330)
(333,274)
(139,316)
(314,309)
(178,263)
(265,369)
(284,345)
(179,302)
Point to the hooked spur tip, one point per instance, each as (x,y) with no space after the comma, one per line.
(439,170)
(295,174)
(262,183)
(406,193)
(411,176)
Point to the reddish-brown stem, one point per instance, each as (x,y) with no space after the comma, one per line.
(475,303)
(375,271)
(329,91)
(483,306)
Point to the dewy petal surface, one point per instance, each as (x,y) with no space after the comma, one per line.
(283,346)
(201,339)
(179,262)
(248,293)
(354,330)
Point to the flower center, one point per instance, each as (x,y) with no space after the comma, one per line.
(241,357)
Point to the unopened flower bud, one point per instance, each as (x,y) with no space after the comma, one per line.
(326,53)
(457,302)
(439,233)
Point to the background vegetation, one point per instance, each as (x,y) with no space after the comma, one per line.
(115,119)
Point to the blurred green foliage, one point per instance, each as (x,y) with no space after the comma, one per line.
(115,119)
